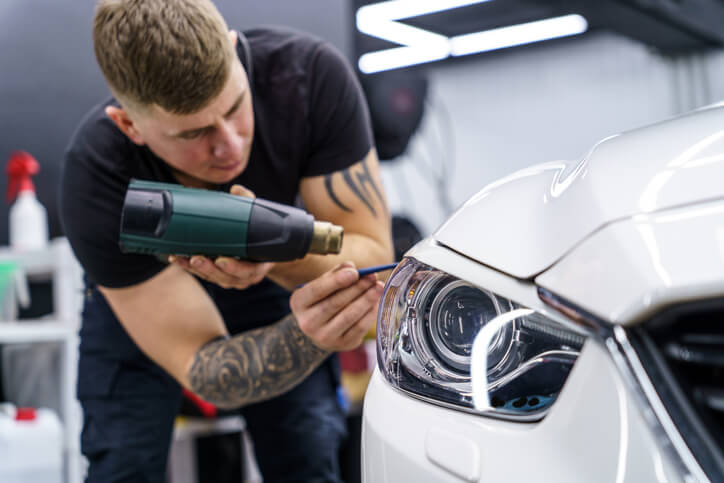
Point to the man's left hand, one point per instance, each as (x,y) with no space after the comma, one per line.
(225,272)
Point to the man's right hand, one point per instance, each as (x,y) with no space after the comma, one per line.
(336,309)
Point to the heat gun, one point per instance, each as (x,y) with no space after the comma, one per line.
(170,219)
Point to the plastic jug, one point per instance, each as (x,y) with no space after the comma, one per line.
(31,445)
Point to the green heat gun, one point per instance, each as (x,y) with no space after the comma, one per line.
(170,219)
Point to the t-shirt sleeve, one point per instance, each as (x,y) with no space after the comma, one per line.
(91,198)
(341,134)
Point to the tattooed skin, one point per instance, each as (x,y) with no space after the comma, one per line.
(330,190)
(358,182)
(254,365)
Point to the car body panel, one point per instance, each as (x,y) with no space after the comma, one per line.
(594,433)
(430,252)
(526,222)
(633,268)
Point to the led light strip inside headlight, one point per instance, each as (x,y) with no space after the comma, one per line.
(427,327)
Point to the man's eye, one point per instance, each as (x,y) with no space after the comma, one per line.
(191,135)
(194,134)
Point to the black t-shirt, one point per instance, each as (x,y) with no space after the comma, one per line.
(310,119)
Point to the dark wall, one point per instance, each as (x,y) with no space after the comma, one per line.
(49,78)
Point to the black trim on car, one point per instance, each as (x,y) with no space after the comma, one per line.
(682,351)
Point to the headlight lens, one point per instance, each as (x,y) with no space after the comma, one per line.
(427,327)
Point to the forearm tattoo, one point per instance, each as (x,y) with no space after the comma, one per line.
(255,365)
(360,183)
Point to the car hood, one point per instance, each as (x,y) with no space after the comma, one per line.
(524,223)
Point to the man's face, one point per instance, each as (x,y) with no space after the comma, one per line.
(211,146)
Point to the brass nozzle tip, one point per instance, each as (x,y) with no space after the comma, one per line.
(327,238)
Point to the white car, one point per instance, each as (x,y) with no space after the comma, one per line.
(565,325)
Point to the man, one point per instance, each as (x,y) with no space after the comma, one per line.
(274,111)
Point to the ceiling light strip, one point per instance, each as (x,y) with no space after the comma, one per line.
(402,57)
(514,35)
(400,9)
(419,48)
(398,33)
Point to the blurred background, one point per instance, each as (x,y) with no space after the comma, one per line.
(460,92)
(470,118)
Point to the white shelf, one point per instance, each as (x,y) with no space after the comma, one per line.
(29,331)
(55,263)
(36,263)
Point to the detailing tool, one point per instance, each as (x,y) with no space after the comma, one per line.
(366,271)
(170,219)
(378,268)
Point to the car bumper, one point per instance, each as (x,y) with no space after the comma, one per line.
(595,432)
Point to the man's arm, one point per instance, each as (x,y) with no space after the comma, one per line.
(255,365)
(186,335)
(354,199)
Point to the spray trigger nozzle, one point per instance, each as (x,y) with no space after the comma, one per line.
(21,166)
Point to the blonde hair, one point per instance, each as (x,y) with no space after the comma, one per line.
(172,53)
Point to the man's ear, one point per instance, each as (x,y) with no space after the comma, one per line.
(120,118)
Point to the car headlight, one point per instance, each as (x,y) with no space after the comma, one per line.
(428,324)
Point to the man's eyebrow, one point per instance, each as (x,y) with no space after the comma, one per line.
(237,103)
(231,111)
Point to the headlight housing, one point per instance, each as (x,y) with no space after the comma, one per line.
(427,328)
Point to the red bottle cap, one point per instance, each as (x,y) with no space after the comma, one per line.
(25,414)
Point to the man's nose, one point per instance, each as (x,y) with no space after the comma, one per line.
(227,142)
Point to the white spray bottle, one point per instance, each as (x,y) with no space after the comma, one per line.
(28,218)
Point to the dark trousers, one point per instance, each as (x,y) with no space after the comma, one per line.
(130,403)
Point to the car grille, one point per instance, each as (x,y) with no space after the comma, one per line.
(682,350)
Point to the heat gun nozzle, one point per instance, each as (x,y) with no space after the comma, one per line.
(327,238)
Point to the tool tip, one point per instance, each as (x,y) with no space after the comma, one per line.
(326,238)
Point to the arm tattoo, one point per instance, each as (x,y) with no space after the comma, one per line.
(254,365)
(328,185)
(357,182)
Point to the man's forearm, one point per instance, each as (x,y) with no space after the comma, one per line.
(255,365)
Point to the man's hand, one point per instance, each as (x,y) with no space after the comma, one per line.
(226,272)
(337,309)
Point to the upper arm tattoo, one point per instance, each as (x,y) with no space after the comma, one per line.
(358,182)
(254,365)
(330,190)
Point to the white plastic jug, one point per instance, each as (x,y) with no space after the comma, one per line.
(31,446)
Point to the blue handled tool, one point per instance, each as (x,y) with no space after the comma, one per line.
(378,268)
(366,271)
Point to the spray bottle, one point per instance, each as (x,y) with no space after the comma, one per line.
(28,218)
